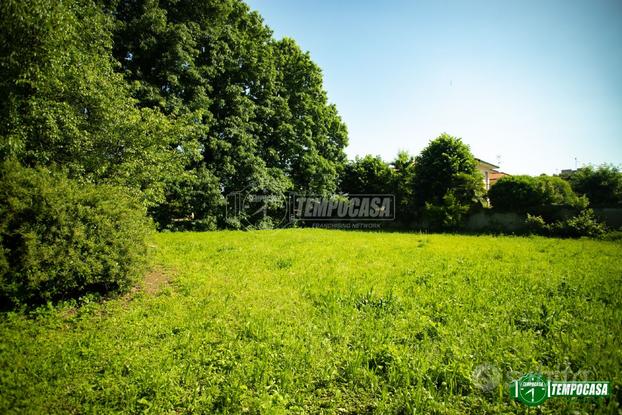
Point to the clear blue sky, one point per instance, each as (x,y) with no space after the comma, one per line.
(536,82)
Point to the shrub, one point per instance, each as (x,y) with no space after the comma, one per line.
(583,224)
(532,194)
(517,193)
(192,202)
(535,224)
(556,191)
(613,236)
(446,216)
(61,239)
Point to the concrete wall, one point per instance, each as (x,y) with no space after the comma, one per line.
(611,216)
(486,220)
(495,221)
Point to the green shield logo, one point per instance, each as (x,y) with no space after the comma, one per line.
(531,389)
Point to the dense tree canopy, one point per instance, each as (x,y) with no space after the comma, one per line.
(446,183)
(403,176)
(260,112)
(601,185)
(65,105)
(369,174)
(174,99)
(445,166)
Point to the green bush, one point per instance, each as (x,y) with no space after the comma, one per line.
(61,239)
(532,194)
(536,224)
(446,216)
(583,224)
(515,193)
(557,191)
(612,236)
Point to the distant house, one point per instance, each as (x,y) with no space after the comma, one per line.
(490,172)
(494,176)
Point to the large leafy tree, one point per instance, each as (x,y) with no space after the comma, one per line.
(446,182)
(179,100)
(371,174)
(65,106)
(200,59)
(306,134)
(258,105)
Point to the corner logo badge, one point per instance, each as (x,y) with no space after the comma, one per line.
(533,389)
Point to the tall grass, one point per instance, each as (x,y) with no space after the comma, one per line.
(313,321)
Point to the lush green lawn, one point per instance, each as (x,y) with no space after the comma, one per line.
(312,321)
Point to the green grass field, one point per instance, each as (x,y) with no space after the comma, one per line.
(315,321)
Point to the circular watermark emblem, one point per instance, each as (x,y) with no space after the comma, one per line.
(531,389)
(487,378)
(264,210)
(254,208)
